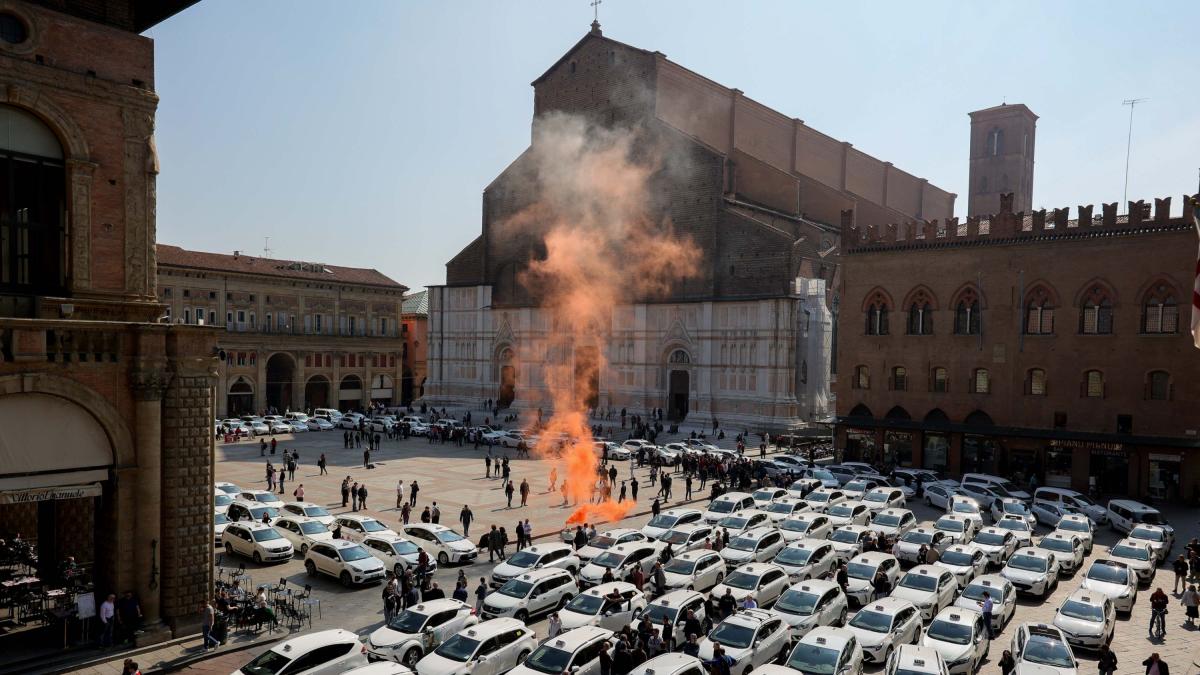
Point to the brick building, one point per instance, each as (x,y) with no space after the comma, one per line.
(415,318)
(105,412)
(1025,343)
(298,335)
(761,198)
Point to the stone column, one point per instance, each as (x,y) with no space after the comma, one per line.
(150,380)
(298,377)
(368,377)
(260,387)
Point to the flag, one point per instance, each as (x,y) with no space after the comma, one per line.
(1196,279)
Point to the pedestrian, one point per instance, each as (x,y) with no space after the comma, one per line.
(986,608)
(345,491)
(426,516)
(508,491)
(108,620)
(1181,569)
(413,489)
(1158,614)
(262,447)
(273,441)
(1106,664)
(687,485)
(481,592)
(465,517)
(493,542)
(1156,666)
(524,492)
(460,592)
(655,508)
(633,488)
(435,514)
(367,458)
(553,478)
(487,465)
(208,618)
(322,464)
(528,530)
(1007,663)
(298,493)
(520,532)
(130,667)
(660,578)
(503,542)
(554,627)
(279,478)
(1191,604)
(362,496)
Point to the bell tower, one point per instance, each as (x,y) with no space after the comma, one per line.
(1002,140)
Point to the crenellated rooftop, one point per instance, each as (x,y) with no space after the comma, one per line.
(1006,227)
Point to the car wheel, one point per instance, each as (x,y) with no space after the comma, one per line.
(842,618)
(887,656)
(443,559)
(303,549)
(522,656)
(344,577)
(398,569)
(257,558)
(228,548)
(411,657)
(310,568)
(521,616)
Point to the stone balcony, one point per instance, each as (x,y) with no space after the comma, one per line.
(27,342)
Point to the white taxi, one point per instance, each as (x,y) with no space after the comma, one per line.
(1020,528)
(883,625)
(965,562)
(346,561)
(326,651)
(799,489)
(915,660)
(726,504)
(221,501)
(554,554)
(673,663)
(1114,580)
(220,521)
(822,498)
(606,540)
(576,651)
(353,527)
(807,559)
(822,650)
(665,520)
(1161,538)
(1042,650)
(783,508)
(1080,526)
(908,548)
(302,532)
(673,608)
(411,634)
(487,648)
(1011,506)
(959,636)
(967,507)
(960,530)
(999,590)
(759,544)
(741,521)
(535,592)
(698,570)
(880,498)
(1138,556)
(309,510)
(688,537)
(1033,571)
(762,581)
(751,637)
(996,544)
(847,541)
(849,513)
(766,495)
(258,541)
(929,587)
(893,522)
(395,552)
(806,525)
(809,604)
(1067,550)
(620,560)
(441,543)
(861,570)
(1087,619)
(612,606)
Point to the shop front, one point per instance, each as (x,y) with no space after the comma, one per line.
(935,455)
(1165,476)
(860,445)
(897,448)
(978,454)
(1059,462)
(1110,472)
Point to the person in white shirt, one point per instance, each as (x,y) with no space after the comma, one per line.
(749,602)
(107,620)
(399,494)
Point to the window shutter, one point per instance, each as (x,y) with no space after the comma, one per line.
(1047,320)
(1170,319)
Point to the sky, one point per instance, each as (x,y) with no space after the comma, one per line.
(363,133)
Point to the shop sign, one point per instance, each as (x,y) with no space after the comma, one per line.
(1104,448)
(49,494)
(1157,457)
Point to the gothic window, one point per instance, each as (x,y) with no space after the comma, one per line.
(1160,313)
(981,382)
(899,379)
(862,377)
(939,380)
(1035,382)
(679,356)
(33,237)
(1039,312)
(877,315)
(967,313)
(1158,386)
(1096,315)
(995,143)
(1093,384)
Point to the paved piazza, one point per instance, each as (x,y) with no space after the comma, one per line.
(454,475)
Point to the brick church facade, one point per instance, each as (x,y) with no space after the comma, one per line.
(748,341)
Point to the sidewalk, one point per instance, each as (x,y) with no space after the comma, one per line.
(166,657)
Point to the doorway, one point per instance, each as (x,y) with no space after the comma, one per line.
(281,369)
(240,399)
(316,392)
(1109,473)
(677,395)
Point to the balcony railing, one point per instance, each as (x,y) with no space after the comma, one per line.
(33,340)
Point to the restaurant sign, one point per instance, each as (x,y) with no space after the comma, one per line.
(1087,445)
(49,494)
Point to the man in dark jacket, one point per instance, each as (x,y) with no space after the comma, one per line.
(362,495)
(1156,666)
(581,539)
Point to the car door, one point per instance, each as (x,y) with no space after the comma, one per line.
(543,595)
(323,558)
(770,641)
(908,625)
(492,658)
(773,583)
(246,539)
(822,562)
(946,590)
(290,532)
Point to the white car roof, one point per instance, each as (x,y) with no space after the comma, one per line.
(632,546)
(549,547)
(856,529)
(667,664)
(296,519)
(1087,597)
(952,516)
(917,658)
(340,543)
(808,543)
(991,581)
(303,505)
(733,496)
(894,512)
(1064,535)
(758,569)
(572,640)
(386,537)
(888,605)
(825,490)
(536,575)
(872,558)
(619,532)
(252,525)
(492,627)
(817,586)
(676,598)
(680,512)
(1035,552)
(1079,517)
(356,517)
(696,554)
(828,636)
(995,530)
(758,532)
(928,570)
(965,548)
(439,605)
(963,616)
(749,617)
(1132,505)
(1129,541)
(688,528)
(606,588)
(304,644)
(787,500)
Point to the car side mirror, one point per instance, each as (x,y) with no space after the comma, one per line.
(482,658)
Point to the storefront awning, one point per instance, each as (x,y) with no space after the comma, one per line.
(49,494)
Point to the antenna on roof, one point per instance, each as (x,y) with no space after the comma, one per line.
(266,247)
(1132,103)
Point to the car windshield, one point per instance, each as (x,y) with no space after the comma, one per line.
(1048,651)
(797,602)
(267,663)
(859,570)
(918,538)
(976,591)
(721,506)
(458,648)
(515,588)
(352,553)
(799,486)
(845,509)
(1082,610)
(657,613)
(813,659)
(794,556)
(1074,525)
(844,536)
(547,659)
(1146,534)
(1111,574)
(1131,552)
(1014,524)
(876,622)
(920,582)
(949,524)
(222,500)
(258,512)
(734,522)
(781,507)
(965,507)
(448,536)
(680,566)
(315,511)
(744,543)
(523,559)
(1030,563)
(822,474)
(609,559)
(313,527)
(989,538)
(732,635)
(958,558)
(742,580)
(602,542)
(586,603)
(663,520)
(266,535)
(948,631)
(408,622)
(676,537)
(405,548)
(856,486)
(230,489)
(876,497)
(266,497)
(1057,545)
(1016,508)
(372,526)
(818,497)
(886,519)
(764,495)
(221,518)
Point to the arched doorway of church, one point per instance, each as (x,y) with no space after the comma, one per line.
(587,376)
(240,398)
(316,392)
(679,381)
(507,392)
(281,370)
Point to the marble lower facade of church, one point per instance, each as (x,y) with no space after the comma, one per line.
(761,364)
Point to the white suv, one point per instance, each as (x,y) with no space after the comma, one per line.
(620,560)
(960,637)
(1087,619)
(487,648)
(575,651)
(759,544)
(861,571)
(684,538)
(763,581)
(1042,649)
(668,519)
(302,532)
(555,555)
(261,542)
(810,604)
(441,543)
(699,570)
(396,552)
(751,637)
(929,587)
(1032,570)
(1115,581)
(327,651)
(606,540)
(403,639)
(883,625)
(533,593)
(611,606)
(894,522)
(356,528)
(345,561)
(807,559)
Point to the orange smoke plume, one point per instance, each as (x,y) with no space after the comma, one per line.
(604,245)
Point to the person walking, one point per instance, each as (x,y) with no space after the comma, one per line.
(687,487)
(208,618)
(1007,663)
(524,492)
(1106,664)
(280,478)
(413,489)
(426,516)
(481,592)
(553,478)
(1156,666)
(345,491)
(1191,604)
(362,496)
(1158,614)
(298,493)
(528,530)
(520,531)
(108,620)
(633,488)
(487,465)
(400,493)
(655,508)
(435,514)
(465,517)
(508,491)
(321,464)
(367,458)
(1180,566)
(986,608)
(493,542)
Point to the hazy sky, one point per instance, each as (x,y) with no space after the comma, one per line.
(363,133)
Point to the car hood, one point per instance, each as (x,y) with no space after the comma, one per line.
(868,638)
(656,532)
(502,601)
(948,650)
(575,619)
(386,637)
(588,552)
(916,597)
(1027,668)
(508,571)
(1109,589)
(1013,574)
(737,556)
(593,572)
(367,565)
(738,594)
(675,580)
(856,584)
(1078,626)
(434,664)
(461,545)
